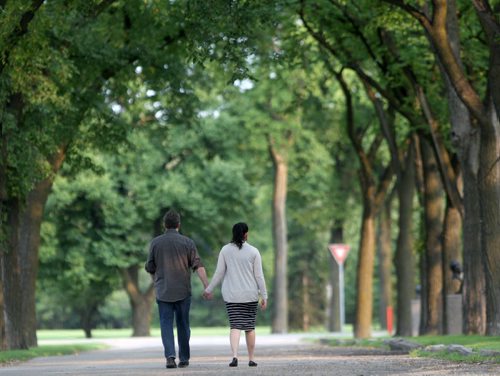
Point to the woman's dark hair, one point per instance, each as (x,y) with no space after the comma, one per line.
(239,231)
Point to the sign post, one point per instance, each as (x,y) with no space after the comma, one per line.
(339,253)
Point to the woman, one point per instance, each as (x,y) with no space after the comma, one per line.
(240,269)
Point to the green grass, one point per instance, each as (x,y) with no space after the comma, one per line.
(10,356)
(474,342)
(68,334)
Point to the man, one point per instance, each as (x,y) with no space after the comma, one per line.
(171,259)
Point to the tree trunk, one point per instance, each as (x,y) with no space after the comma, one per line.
(11,276)
(465,140)
(404,258)
(3,339)
(486,115)
(31,222)
(433,212)
(141,302)
(280,290)
(385,262)
(373,198)
(141,316)
(306,302)
(489,171)
(489,190)
(364,274)
(452,247)
(474,283)
(87,320)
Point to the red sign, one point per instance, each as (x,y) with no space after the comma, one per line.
(339,252)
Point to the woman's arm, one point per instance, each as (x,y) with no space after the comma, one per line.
(259,276)
(220,271)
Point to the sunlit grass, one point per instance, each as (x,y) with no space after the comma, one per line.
(473,342)
(68,334)
(10,356)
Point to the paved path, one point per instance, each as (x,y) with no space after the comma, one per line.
(276,355)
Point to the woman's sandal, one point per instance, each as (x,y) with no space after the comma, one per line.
(234,363)
(252,364)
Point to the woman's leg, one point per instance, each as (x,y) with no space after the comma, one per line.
(250,338)
(234,339)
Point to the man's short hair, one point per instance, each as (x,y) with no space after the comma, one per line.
(172,219)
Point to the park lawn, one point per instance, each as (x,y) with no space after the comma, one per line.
(11,356)
(475,342)
(68,334)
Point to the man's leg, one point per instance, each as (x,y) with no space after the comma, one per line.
(166,312)
(183,329)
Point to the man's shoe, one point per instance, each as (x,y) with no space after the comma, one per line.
(234,363)
(171,363)
(183,364)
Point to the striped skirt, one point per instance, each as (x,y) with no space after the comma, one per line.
(242,316)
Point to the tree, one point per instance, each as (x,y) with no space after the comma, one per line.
(78,270)
(61,71)
(485,115)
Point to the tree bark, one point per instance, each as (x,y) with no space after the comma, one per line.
(452,247)
(474,284)
(404,258)
(489,171)
(280,238)
(465,139)
(433,213)
(11,206)
(30,244)
(385,262)
(364,273)
(489,190)
(141,302)
(11,276)
(87,320)
(486,115)
(306,301)
(373,198)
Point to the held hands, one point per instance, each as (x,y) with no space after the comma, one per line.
(263,304)
(207,295)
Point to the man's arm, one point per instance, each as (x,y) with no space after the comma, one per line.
(150,265)
(202,273)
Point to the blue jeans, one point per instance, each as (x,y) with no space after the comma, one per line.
(181,311)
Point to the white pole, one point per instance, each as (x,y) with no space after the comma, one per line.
(342,299)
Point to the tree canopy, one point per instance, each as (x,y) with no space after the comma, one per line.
(289,115)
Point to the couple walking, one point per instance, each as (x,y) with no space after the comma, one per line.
(171,259)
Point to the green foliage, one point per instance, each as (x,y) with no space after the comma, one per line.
(175,104)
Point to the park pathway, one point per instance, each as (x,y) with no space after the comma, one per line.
(276,355)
